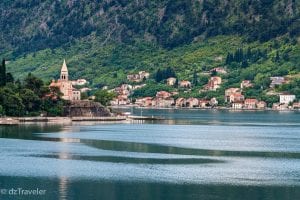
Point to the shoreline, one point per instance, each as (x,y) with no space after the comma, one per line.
(54,120)
(70,120)
(119,118)
(198,108)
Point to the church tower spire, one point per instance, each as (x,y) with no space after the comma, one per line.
(64,75)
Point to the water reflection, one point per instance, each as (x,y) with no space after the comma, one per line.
(135,160)
(90,190)
(27,131)
(215,155)
(217,117)
(64,153)
(63,188)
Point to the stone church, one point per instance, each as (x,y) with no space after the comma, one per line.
(65,85)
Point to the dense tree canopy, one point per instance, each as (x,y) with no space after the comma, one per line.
(104,96)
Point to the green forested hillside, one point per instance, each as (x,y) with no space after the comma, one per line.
(104,40)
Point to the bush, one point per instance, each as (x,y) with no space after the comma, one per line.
(104,96)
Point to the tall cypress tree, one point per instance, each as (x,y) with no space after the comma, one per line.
(3,73)
(158,75)
(195,78)
(277,57)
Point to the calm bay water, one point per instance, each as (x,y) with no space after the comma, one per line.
(193,154)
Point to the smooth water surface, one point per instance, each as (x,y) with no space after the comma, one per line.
(192,154)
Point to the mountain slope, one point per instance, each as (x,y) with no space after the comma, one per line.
(110,64)
(31,25)
(104,40)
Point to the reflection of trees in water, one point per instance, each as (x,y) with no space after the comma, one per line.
(156,148)
(26,131)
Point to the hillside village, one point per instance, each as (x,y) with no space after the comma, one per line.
(159,89)
(234,98)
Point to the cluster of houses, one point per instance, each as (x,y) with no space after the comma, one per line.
(165,99)
(236,99)
(123,92)
(233,96)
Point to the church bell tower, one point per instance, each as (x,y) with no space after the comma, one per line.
(64,75)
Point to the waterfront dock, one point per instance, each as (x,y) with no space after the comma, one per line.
(8,121)
(66,120)
(133,117)
(117,118)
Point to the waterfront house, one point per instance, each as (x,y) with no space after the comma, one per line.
(192,102)
(203,103)
(163,103)
(250,103)
(120,100)
(213,101)
(296,105)
(236,97)
(185,84)
(171,81)
(286,98)
(280,106)
(114,102)
(123,100)
(148,101)
(144,102)
(261,105)
(246,84)
(139,101)
(180,102)
(231,91)
(237,105)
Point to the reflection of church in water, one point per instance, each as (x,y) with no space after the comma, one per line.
(65,85)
